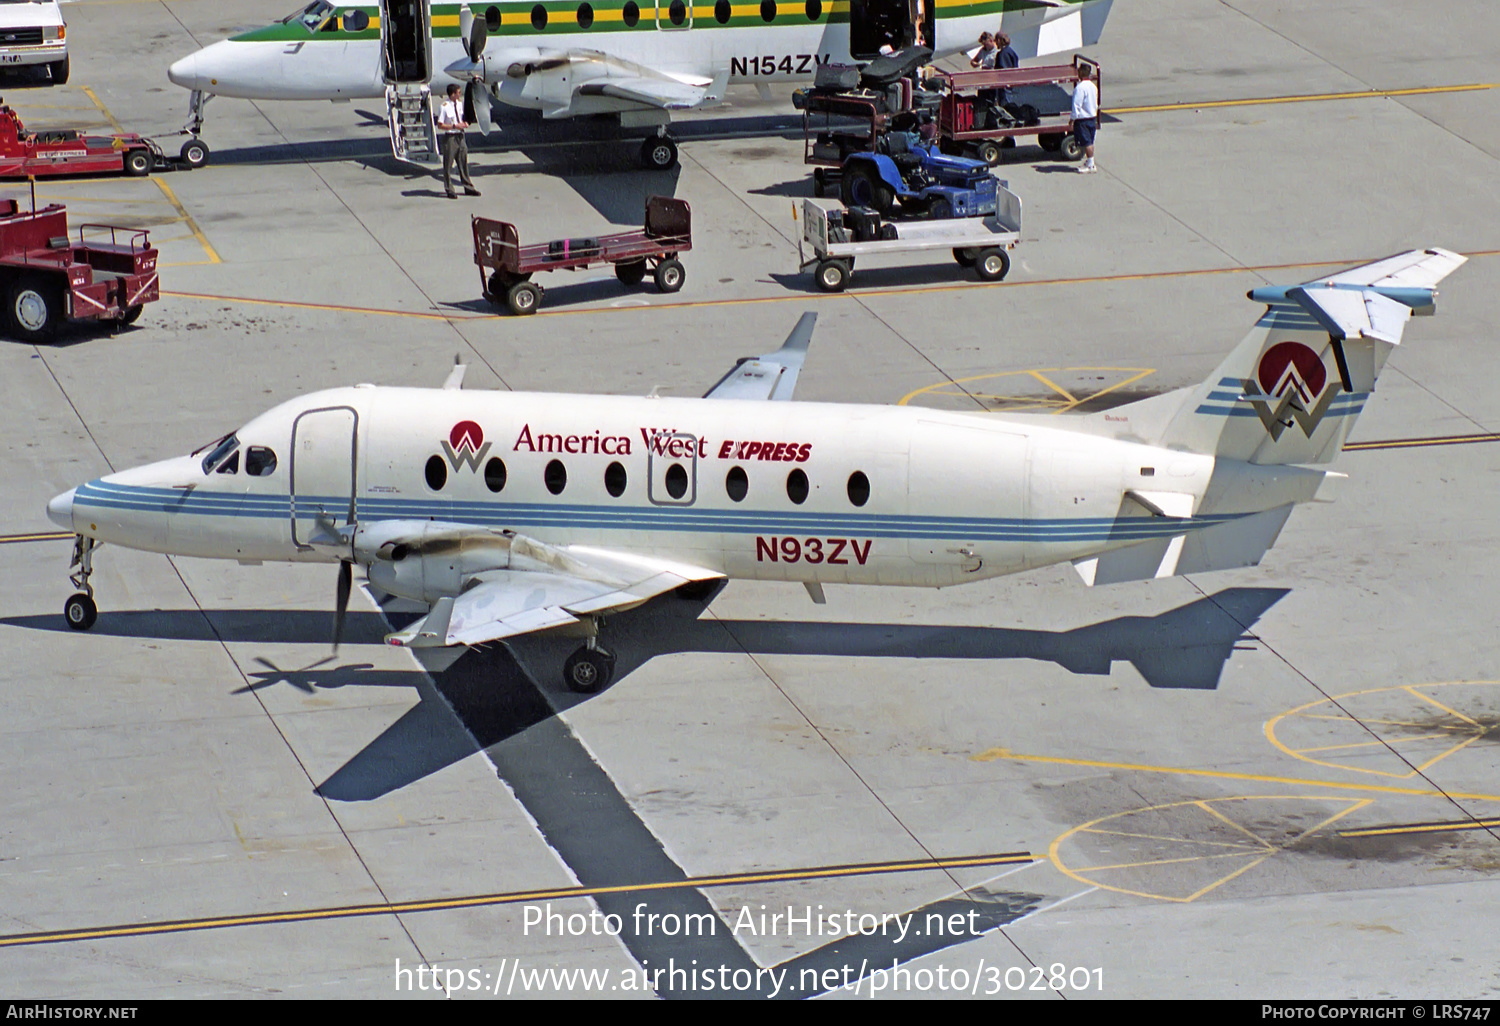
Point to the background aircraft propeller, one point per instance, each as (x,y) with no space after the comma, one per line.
(341,601)
(474,32)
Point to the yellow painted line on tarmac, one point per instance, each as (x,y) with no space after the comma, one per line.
(101,107)
(1424,828)
(12,539)
(1362,94)
(166,190)
(1006,754)
(513,897)
(1417,443)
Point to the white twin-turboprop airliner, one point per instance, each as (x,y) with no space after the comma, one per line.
(508,513)
(637,60)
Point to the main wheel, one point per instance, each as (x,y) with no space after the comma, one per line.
(194,153)
(631,273)
(988,151)
(523,298)
(1070,148)
(1050,141)
(965,257)
(670,275)
(832,275)
(59,71)
(80,612)
(138,163)
(587,670)
(34,308)
(659,152)
(992,264)
(860,188)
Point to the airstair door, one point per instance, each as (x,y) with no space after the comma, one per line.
(408,108)
(325,458)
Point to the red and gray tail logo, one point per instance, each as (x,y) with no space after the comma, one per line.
(466,445)
(1291,385)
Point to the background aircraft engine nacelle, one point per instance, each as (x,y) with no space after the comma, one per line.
(425,560)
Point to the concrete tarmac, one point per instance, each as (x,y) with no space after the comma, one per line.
(1272,783)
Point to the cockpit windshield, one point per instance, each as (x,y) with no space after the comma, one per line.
(218,451)
(312,16)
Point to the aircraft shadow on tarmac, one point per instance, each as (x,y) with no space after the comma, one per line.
(501,691)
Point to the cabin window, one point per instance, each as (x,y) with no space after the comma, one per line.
(231,465)
(585,15)
(737,484)
(356,20)
(614,480)
(492,18)
(539,17)
(859,488)
(814,9)
(722,12)
(260,461)
(796,486)
(767,10)
(436,473)
(677,12)
(494,474)
(631,14)
(676,481)
(556,477)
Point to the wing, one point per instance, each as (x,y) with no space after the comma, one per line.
(773,376)
(567,585)
(666,93)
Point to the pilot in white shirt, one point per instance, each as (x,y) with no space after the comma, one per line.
(450,126)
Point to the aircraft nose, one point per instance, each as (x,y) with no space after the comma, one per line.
(60,509)
(185,72)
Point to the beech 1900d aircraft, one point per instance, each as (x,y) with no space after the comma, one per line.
(634,59)
(508,513)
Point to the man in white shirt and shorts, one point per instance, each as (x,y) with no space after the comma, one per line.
(450,126)
(1086,116)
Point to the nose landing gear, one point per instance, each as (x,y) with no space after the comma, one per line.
(80,610)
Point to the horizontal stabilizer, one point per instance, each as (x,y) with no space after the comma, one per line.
(1224,546)
(1417,268)
(1350,313)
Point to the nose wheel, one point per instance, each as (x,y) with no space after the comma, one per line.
(80,610)
(588,669)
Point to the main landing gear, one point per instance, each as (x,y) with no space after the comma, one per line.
(659,151)
(80,610)
(590,668)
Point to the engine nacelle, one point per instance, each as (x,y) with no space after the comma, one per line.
(425,560)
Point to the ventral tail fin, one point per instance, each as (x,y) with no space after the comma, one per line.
(1292,390)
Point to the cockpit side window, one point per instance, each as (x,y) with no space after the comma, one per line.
(260,461)
(218,452)
(312,16)
(231,465)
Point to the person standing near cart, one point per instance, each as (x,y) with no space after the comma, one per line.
(451,125)
(1086,116)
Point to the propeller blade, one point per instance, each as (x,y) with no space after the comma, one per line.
(475,38)
(341,606)
(477,104)
(466,26)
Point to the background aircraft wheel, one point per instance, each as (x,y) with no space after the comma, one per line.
(80,612)
(670,275)
(992,264)
(194,153)
(659,152)
(631,272)
(138,163)
(833,275)
(33,308)
(523,298)
(588,670)
(965,257)
(988,151)
(1050,141)
(1070,148)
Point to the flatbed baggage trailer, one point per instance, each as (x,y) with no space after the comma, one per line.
(46,278)
(506,266)
(982,243)
(963,115)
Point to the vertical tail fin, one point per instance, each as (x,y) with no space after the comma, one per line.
(1292,390)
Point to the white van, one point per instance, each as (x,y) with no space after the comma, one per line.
(33,34)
